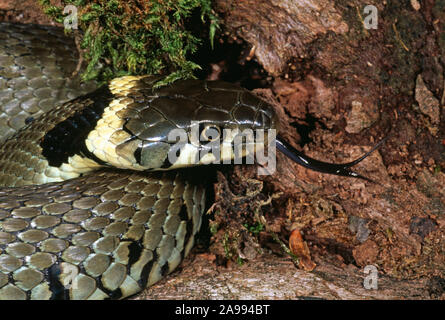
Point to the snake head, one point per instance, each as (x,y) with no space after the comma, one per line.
(188,123)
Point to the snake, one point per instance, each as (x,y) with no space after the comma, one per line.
(91,204)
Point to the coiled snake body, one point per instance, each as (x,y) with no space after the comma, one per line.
(68,232)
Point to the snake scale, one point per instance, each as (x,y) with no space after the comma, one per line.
(69,231)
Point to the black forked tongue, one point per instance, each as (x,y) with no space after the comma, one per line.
(338,169)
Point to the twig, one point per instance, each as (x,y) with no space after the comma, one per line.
(398,36)
(294,258)
(443,95)
(77,37)
(361,19)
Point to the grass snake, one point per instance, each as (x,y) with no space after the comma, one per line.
(71,225)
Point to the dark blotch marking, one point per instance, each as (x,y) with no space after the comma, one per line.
(135,249)
(112,294)
(189,227)
(138,155)
(183,215)
(146,270)
(164,269)
(189,231)
(166,164)
(55,286)
(67,138)
(29,120)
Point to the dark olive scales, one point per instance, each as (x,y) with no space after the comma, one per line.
(92,240)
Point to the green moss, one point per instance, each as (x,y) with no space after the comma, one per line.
(240,261)
(214,226)
(227,246)
(230,244)
(255,228)
(137,37)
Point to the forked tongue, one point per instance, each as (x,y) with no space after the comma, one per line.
(339,169)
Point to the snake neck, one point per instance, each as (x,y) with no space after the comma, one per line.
(52,147)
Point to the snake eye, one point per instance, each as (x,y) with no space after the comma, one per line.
(210,133)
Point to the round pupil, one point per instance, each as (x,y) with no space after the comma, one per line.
(211,133)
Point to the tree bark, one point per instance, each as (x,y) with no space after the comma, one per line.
(349,85)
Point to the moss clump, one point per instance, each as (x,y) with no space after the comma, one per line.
(255,229)
(136,37)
